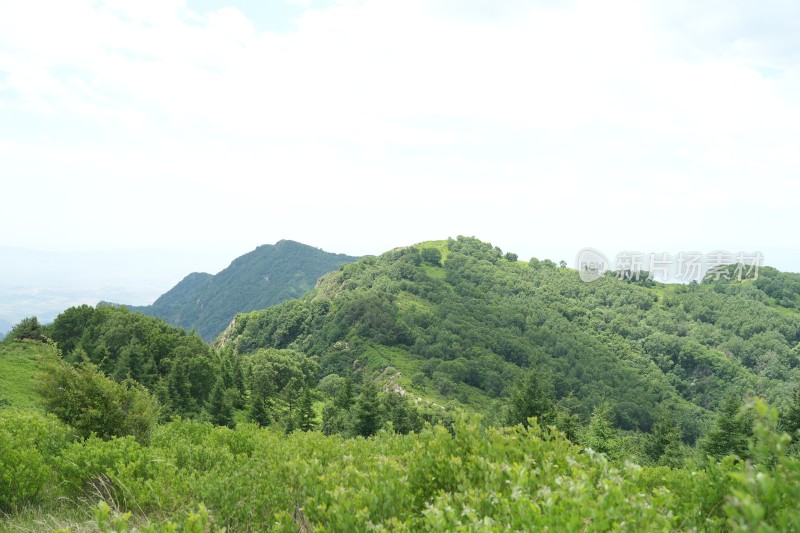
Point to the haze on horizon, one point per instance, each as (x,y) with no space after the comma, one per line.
(207,128)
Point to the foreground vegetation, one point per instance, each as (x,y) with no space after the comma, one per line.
(467,479)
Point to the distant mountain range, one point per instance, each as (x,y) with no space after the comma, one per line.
(267,276)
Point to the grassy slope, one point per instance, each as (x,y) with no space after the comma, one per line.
(18,366)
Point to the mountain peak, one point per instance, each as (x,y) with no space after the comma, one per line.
(268,275)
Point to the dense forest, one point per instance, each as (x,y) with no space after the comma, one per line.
(442,386)
(268,275)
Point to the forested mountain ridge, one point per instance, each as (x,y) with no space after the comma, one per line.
(268,275)
(461,321)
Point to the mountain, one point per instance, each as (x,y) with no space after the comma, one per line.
(645,384)
(268,275)
(459,322)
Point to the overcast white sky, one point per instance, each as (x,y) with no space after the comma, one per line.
(358,126)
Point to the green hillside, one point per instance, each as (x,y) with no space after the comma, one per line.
(18,368)
(268,275)
(460,323)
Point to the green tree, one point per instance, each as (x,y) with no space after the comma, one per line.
(366,414)
(600,434)
(261,395)
(83,397)
(732,431)
(179,390)
(277,379)
(399,411)
(27,329)
(431,255)
(664,445)
(532,397)
(790,419)
(305,412)
(220,409)
(344,396)
(335,420)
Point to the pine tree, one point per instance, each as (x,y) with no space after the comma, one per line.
(237,382)
(600,435)
(259,410)
(401,413)
(790,420)
(531,398)
(366,415)
(732,431)
(664,445)
(344,397)
(179,389)
(219,407)
(305,412)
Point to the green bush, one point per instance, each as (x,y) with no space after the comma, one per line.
(118,470)
(28,442)
(35,429)
(93,404)
(23,471)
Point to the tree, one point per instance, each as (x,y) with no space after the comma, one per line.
(399,411)
(68,327)
(432,256)
(179,390)
(335,420)
(790,420)
(600,435)
(664,445)
(260,410)
(366,415)
(305,412)
(511,257)
(220,409)
(532,397)
(277,379)
(344,396)
(234,380)
(261,393)
(731,432)
(83,397)
(27,329)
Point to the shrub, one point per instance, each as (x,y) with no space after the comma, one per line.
(23,471)
(27,329)
(28,440)
(85,398)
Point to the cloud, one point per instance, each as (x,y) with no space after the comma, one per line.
(486,116)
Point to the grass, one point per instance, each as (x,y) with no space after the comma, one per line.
(63,515)
(440,245)
(402,366)
(18,367)
(407,301)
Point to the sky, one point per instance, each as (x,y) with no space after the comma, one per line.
(207,128)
